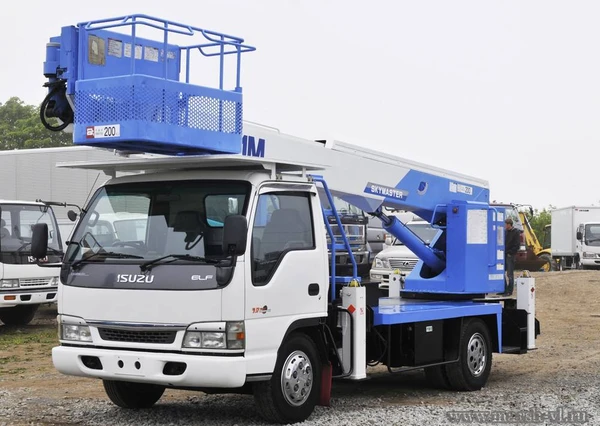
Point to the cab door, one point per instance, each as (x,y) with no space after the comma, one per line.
(287,272)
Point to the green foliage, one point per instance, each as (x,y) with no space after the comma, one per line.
(539,220)
(21,128)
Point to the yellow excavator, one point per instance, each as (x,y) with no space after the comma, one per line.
(538,257)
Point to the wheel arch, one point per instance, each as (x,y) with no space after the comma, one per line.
(313,328)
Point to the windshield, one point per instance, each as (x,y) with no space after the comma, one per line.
(16,229)
(423,230)
(592,234)
(136,222)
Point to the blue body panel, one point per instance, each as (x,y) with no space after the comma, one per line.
(474,235)
(412,311)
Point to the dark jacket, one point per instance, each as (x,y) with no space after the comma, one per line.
(512,241)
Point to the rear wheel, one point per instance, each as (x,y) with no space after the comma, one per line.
(18,315)
(473,368)
(292,392)
(547,267)
(133,395)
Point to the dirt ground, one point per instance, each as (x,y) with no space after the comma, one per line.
(568,308)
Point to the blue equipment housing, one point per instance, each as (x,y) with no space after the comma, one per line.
(466,258)
(127,93)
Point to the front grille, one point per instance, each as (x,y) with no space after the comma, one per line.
(34,282)
(403,264)
(134,336)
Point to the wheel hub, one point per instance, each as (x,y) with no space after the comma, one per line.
(476,354)
(296,378)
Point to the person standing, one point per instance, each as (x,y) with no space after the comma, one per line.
(512,242)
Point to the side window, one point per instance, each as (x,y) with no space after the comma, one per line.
(283,223)
(5,225)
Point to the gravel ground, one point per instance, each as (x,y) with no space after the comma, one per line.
(557,384)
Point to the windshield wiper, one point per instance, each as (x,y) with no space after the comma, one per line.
(148,265)
(106,254)
(593,240)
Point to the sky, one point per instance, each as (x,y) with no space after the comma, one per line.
(506,91)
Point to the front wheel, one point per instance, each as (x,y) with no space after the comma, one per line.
(18,315)
(133,395)
(292,392)
(473,368)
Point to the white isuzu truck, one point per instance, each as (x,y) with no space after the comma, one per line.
(23,285)
(208,269)
(575,237)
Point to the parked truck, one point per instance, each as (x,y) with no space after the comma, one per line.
(575,237)
(23,285)
(226,284)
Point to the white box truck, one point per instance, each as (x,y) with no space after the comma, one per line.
(575,237)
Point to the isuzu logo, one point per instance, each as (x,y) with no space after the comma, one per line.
(133,278)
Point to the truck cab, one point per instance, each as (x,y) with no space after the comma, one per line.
(588,245)
(24,285)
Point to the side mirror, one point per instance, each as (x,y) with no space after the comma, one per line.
(39,241)
(579,235)
(235,230)
(72,215)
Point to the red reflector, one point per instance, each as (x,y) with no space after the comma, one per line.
(351,309)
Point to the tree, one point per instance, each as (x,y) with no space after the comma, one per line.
(21,128)
(539,220)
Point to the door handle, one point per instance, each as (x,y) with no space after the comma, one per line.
(313,289)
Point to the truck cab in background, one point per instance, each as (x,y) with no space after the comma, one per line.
(575,237)
(24,285)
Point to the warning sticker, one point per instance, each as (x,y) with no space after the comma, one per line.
(115,47)
(477,227)
(151,53)
(138,51)
(99,132)
(96,50)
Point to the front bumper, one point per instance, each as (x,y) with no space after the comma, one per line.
(590,262)
(146,367)
(24,296)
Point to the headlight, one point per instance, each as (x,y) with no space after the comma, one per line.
(9,283)
(380,263)
(78,333)
(204,340)
(233,338)
(53,281)
(589,255)
(236,335)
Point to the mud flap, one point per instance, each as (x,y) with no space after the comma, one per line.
(326,382)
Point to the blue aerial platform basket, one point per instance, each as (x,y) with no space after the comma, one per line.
(128,94)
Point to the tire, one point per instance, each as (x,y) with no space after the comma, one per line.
(18,315)
(437,377)
(473,368)
(132,395)
(280,400)
(548,266)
